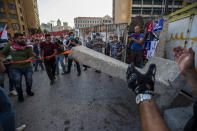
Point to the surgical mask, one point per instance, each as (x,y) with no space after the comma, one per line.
(110,41)
(72,37)
(97,37)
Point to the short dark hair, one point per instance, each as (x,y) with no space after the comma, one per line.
(97,34)
(37,40)
(71,33)
(16,35)
(47,35)
(116,36)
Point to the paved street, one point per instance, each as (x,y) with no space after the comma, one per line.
(91,102)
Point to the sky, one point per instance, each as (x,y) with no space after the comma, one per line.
(67,10)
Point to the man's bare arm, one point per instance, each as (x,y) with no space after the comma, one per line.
(185,61)
(141,41)
(41,53)
(151,119)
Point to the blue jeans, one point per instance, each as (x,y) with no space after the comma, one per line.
(9,72)
(7,119)
(60,59)
(36,63)
(17,76)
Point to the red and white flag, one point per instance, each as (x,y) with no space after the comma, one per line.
(4,33)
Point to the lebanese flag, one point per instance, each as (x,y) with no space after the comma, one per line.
(4,33)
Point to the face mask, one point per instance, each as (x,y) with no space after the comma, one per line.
(97,37)
(72,37)
(110,41)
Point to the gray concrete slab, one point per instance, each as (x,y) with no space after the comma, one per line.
(91,102)
(169,80)
(178,117)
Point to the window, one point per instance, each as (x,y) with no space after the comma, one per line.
(157,2)
(147,2)
(136,10)
(1,4)
(3,15)
(23,27)
(138,2)
(3,24)
(11,7)
(146,11)
(157,11)
(21,18)
(11,0)
(15,26)
(177,2)
(21,11)
(13,16)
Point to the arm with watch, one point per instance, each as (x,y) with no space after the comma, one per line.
(143,87)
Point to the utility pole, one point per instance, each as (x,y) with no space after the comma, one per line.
(52,24)
(166,7)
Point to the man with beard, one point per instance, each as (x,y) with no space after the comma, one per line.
(48,49)
(20,51)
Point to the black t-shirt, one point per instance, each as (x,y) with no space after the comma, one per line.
(59,48)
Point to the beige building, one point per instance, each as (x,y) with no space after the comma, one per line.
(123,12)
(31,10)
(85,22)
(12,14)
(17,14)
(58,27)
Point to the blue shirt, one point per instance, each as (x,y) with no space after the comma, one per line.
(97,48)
(116,48)
(136,46)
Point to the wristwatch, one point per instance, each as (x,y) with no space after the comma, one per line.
(143,97)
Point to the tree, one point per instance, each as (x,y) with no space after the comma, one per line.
(46,31)
(39,30)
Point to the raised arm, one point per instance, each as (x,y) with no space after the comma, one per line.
(185,60)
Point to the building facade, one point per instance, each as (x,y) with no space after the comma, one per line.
(32,15)
(121,11)
(148,9)
(49,27)
(86,22)
(13,13)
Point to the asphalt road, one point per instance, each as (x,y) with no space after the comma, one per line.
(91,102)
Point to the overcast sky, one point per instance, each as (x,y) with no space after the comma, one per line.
(67,10)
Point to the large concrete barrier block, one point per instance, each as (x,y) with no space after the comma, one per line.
(169,80)
(177,118)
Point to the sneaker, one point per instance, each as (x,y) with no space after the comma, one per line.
(52,82)
(30,93)
(54,78)
(78,74)
(20,98)
(64,73)
(97,71)
(13,93)
(21,128)
(67,72)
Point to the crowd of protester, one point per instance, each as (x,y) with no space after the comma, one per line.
(18,54)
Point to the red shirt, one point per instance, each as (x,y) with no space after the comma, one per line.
(47,48)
